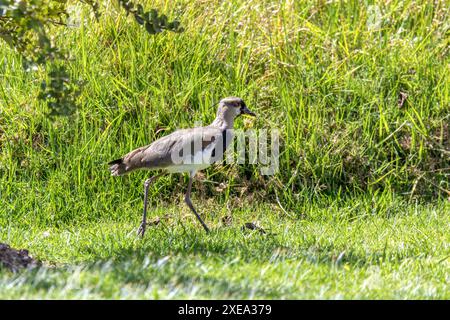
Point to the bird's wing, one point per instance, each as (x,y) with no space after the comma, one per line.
(173,148)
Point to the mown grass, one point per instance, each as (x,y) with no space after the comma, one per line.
(358,209)
(337,254)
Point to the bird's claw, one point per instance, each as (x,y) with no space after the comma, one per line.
(141,229)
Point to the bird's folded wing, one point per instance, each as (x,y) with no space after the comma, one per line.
(174,148)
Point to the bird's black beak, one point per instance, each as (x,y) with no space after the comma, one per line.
(245,110)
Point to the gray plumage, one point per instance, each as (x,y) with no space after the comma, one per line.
(161,153)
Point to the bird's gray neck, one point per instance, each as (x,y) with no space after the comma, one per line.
(223,122)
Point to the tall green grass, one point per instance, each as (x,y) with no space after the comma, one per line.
(329,76)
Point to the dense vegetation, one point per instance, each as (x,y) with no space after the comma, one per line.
(359,207)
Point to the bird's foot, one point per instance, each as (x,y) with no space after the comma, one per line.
(141,229)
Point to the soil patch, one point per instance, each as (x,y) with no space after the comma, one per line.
(15,260)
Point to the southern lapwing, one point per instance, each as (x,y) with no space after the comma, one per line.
(185,150)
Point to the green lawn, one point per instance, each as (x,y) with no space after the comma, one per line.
(359,208)
(344,251)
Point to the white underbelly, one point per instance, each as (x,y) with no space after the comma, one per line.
(187,167)
(199,161)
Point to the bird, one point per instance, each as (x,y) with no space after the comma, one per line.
(184,151)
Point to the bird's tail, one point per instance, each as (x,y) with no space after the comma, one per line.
(117,167)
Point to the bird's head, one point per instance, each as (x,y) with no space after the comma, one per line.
(234,107)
